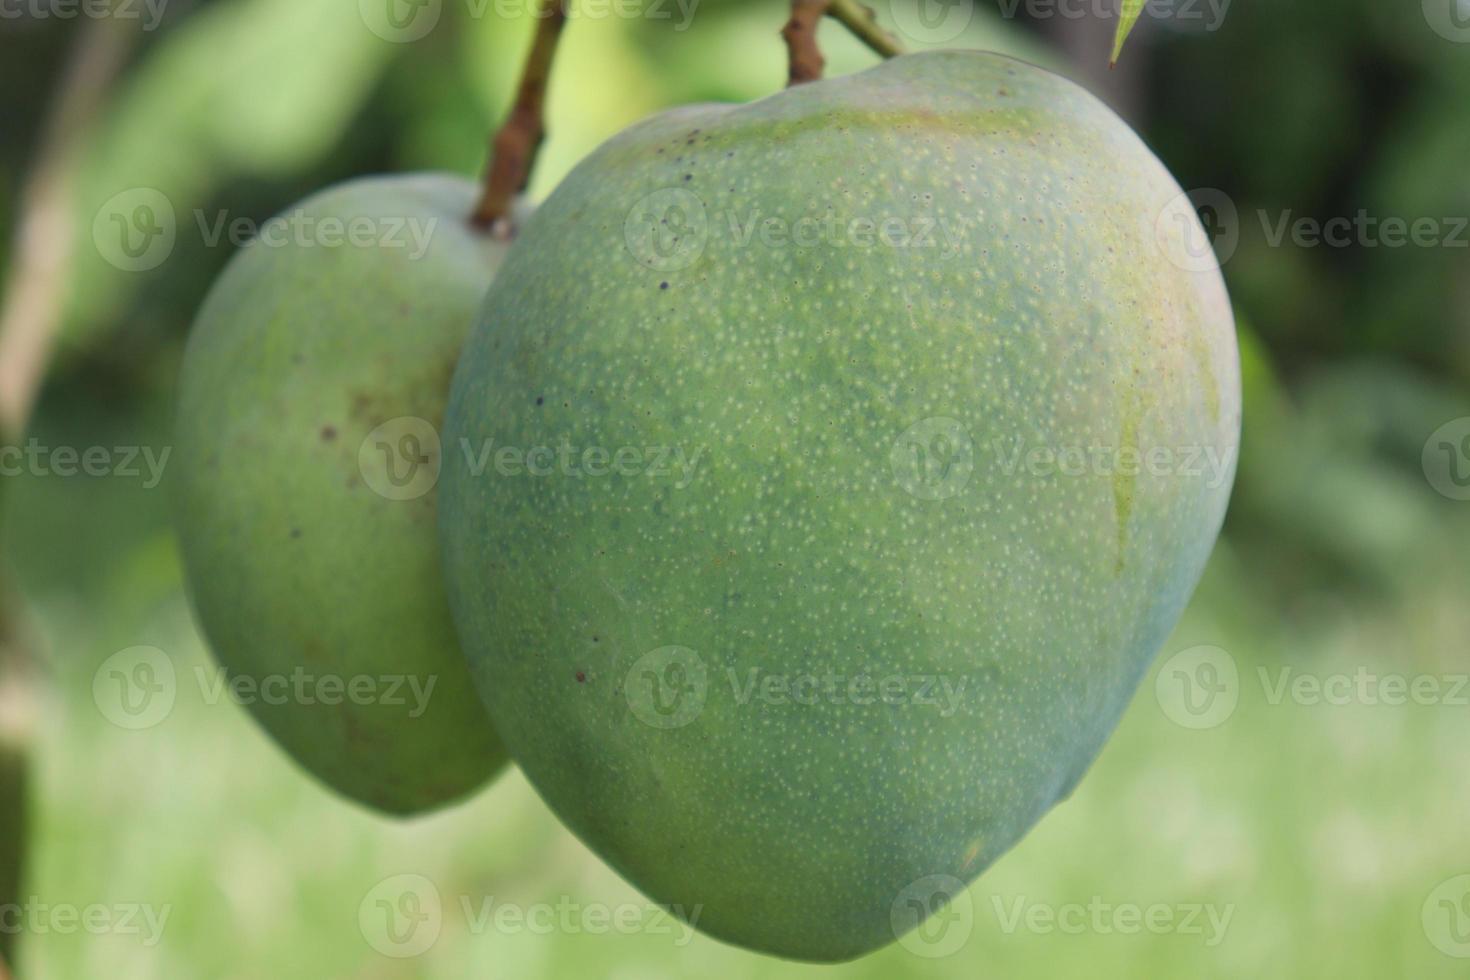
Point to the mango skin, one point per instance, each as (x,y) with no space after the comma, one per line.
(614,623)
(295,564)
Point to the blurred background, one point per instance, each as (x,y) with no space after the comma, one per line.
(1290,791)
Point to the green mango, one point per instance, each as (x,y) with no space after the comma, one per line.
(829,470)
(312,389)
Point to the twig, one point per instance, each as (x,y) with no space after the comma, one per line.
(800,33)
(863,22)
(36,281)
(513,151)
(805,59)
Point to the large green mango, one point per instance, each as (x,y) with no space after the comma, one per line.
(313,385)
(826,473)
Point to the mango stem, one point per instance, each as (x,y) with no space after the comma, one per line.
(863,22)
(514,148)
(800,33)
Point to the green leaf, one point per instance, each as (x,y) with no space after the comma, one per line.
(1127,17)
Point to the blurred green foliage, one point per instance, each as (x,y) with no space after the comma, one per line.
(1323,827)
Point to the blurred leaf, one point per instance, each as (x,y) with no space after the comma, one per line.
(245,87)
